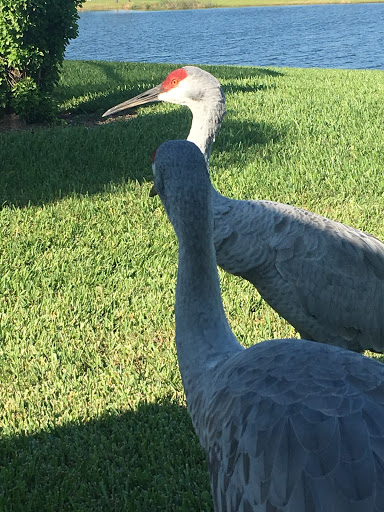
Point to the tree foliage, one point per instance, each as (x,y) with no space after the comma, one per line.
(33,38)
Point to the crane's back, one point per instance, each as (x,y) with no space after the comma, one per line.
(293,426)
(323,277)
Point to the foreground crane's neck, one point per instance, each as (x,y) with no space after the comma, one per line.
(203,335)
(206,121)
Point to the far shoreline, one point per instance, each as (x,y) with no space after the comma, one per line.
(156,5)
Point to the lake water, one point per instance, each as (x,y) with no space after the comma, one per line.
(327,36)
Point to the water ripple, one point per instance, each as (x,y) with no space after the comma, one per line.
(332,36)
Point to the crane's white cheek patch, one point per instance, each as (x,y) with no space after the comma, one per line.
(177,95)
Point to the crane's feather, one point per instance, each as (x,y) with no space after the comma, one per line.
(325,278)
(307,435)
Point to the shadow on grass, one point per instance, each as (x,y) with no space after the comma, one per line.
(146,460)
(46,165)
(104,84)
(91,85)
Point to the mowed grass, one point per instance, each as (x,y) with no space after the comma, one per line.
(93,413)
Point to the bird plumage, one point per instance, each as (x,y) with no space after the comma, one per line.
(323,277)
(287,425)
(293,427)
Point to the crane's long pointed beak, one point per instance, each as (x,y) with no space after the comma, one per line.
(141,99)
(152,192)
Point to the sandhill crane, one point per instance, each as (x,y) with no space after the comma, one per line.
(287,425)
(325,278)
(196,89)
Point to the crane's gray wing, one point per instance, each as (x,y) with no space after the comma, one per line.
(308,437)
(325,278)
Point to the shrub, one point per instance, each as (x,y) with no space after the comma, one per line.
(33,37)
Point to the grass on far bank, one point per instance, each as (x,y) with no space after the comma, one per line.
(153,5)
(93,415)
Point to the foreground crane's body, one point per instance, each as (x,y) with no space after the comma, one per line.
(287,425)
(325,278)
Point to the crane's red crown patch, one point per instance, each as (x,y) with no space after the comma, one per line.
(173,79)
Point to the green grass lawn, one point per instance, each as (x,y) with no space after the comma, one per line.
(93,414)
(99,5)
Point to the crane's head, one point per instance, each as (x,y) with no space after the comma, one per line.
(181,179)
(184,86)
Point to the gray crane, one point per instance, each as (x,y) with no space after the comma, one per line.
(287,425)
(325,278)
(196,89)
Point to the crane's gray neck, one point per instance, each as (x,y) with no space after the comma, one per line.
(203,335)
(206,123)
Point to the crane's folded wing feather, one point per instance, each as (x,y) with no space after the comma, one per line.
(297,440)
(325,278)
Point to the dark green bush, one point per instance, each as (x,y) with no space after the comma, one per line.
(33,37)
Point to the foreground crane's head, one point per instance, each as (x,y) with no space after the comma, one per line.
(185,86)
(181,180)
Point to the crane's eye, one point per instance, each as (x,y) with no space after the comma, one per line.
(174,82)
